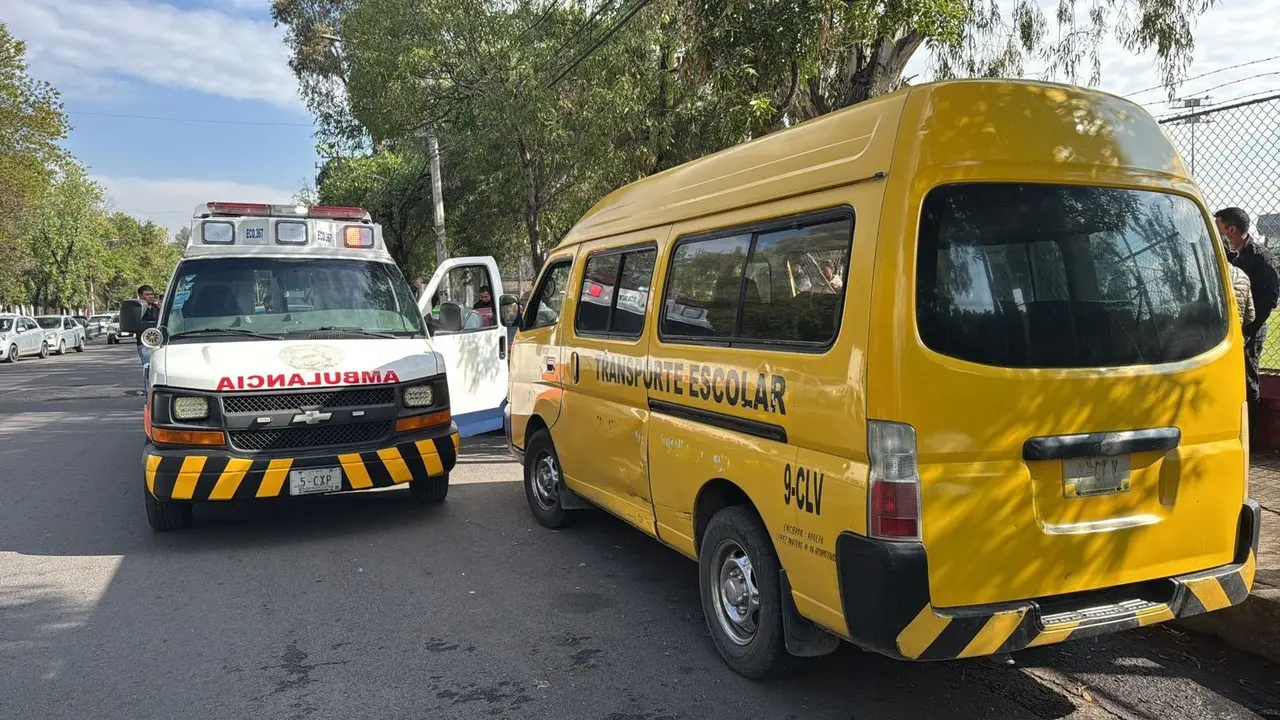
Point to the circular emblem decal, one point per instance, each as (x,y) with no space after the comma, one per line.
(311,357)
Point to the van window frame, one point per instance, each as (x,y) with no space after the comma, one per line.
(613,302)
(525,324)
(756,229)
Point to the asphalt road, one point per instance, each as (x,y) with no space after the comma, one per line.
(365,607)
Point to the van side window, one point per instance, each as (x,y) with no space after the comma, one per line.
(782,283)
(544,307)
(615,293)
(702,295)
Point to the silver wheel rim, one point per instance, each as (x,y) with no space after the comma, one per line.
(734,592)
(546,482)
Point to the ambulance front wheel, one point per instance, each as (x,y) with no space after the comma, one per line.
(738,580)
(430,491)
(165,516)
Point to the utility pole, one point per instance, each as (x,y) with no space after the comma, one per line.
(437,197)
(1188,104)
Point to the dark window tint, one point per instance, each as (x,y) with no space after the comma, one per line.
(544,308)
(702,296)
(598,280)
(1021,275)
(795,284)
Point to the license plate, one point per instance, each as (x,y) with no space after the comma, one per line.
(315,480)
(1086,477)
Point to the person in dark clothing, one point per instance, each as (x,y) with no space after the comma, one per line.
(1257,262)
(150,318)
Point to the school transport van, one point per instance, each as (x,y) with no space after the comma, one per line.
(954,372)
(290,359)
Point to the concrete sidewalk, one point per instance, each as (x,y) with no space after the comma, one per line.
(1254,625)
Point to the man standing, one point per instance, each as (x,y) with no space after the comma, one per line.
(150,317)
(1259,265)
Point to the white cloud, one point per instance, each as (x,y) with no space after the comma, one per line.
(88,45)
(170,201)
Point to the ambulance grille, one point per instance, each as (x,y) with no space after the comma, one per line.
(356,397)
(310,437)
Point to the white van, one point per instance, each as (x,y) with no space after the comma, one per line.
(289,358)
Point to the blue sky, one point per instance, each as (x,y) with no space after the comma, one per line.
(222,62)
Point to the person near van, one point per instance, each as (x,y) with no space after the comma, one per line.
(483,306)
(150,317)
(1244,294)
(1257,262)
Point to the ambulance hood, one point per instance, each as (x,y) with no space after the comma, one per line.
(244,366)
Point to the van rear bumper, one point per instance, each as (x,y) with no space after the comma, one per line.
(884,588)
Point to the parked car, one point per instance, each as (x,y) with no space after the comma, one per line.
(114,336)
(83,321)
(19,336)
(98,324)
(62,333)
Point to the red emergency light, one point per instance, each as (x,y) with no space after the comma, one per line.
(335,212)
(235,208)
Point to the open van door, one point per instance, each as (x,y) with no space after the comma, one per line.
(467,331)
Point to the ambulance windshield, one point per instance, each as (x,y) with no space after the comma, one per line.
(290,298)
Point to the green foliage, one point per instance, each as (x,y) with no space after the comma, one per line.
(542,107)
(59,246)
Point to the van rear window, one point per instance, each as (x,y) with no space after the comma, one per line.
(1032,275)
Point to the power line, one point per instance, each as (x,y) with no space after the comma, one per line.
(1218,87)
(635,8)
(207,121)
(1204,75)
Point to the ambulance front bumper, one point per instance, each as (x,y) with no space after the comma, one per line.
(884,589)
(214,474)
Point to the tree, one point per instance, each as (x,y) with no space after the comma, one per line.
(63,239)
(182,237)
(543,107)
(31,124)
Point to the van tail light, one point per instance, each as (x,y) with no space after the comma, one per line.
(893,506)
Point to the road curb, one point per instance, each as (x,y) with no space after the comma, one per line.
(1252,626)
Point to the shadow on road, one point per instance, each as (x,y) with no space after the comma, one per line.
(365,605)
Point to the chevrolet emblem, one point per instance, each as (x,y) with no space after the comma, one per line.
(311,417)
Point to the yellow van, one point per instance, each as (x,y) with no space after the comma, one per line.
(950,373)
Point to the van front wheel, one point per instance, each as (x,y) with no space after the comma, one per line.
(741,593)
(543,480)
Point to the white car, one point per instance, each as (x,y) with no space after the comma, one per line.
(113,331)
(19,336)
(62,333)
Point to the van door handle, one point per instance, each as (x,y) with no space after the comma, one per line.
(575,368)
(502,348)
(551,364)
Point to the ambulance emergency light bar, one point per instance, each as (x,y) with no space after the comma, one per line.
(223,233)
(320,212)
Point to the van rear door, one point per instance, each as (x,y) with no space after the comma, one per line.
(1050,312)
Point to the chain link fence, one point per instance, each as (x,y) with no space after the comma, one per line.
(1234,155)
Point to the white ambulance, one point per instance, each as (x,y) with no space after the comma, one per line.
(289,358)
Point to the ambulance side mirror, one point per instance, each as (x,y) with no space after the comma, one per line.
(131,316)
(509,309)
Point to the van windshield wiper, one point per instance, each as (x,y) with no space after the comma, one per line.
(225,331)
(342,329)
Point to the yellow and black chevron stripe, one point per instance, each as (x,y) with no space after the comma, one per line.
(197,476)
(943,635)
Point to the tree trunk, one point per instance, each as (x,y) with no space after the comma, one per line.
(532,201)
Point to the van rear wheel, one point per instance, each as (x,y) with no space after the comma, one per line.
(741,593)
(542,482)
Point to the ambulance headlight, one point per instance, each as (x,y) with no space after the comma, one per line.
(190,408)
(419,396)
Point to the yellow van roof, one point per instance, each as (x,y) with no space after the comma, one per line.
(959,122)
